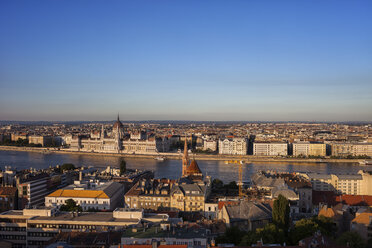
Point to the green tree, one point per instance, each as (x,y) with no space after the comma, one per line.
(250,238)
(352,239)
(281,212)
(67,167)
(307,227)
(232,235)
(217,184)
(71,206)
(123,166)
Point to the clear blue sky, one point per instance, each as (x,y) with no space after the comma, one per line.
(186,60)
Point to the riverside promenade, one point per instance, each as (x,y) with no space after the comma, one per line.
(198,156)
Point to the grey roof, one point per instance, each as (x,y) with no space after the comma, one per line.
(263,181)
(350,177)
(190,189)
(319,176)
(286,192)
(249,211)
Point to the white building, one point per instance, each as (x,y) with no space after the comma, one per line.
(89,195)
(309,149)
(234,146)
(270,149)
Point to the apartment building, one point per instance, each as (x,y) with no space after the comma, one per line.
(89,195)
(8,198)
(32,190)
(351,149)
(351,184)
(35,227)
(167,194)
(270,149)
(309,149)
(233,146)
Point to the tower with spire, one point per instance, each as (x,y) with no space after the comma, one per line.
(185,159)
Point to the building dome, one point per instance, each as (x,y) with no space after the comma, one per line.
(193,168)
(118,124)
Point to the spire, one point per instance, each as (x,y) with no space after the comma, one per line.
(118,117)
(185,158)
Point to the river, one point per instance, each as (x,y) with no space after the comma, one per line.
(168,168)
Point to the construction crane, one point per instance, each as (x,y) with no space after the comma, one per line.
(240,175)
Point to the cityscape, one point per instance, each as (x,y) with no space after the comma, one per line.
(185,124)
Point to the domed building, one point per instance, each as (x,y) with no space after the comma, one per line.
(118,129)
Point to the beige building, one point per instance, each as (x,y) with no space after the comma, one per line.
(270,149)
(309,149)
(351,184)
(351,149)
(233,146)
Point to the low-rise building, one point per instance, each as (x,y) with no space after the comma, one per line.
(89,195)
(37,226)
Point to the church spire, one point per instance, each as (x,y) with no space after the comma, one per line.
(185,158)
(118,117)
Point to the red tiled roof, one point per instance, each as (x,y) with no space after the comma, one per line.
(328,197)
(223,203)
(150,246)
(355,200)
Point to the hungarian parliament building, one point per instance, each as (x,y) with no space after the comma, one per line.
(118,142)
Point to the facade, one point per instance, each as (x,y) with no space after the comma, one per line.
(210,145)
(351,184)
(309,149)
(89,195)
(246,215)
(351,149)
(32,190)
(362,224)
(35,227)
(234,146)
(270,149)
(40,140)
(8,198)
(117,142)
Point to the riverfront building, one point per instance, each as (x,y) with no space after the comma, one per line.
(270,149)
(233,146)
(118,142)
(309,149)
(351,149)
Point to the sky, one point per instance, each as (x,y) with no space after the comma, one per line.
(186,60)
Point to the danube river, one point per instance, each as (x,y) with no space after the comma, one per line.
(167,168)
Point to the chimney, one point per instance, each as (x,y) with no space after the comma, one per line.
(80,176)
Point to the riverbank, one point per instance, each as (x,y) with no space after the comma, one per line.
(177,156)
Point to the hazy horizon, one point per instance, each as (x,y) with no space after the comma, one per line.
(186,60)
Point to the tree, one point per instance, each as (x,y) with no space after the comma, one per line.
(352,239)
(307,227)
(71,206)
(123,166)
(217,184)
(281,212)
(67,167)
(233,235)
